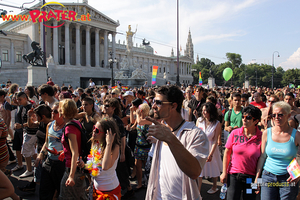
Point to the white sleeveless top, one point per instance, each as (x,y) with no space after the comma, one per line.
(107,180)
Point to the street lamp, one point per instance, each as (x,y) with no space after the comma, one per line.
(273,66)
(112,60)
(177,77)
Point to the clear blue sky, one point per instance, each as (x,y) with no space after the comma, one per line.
(252,28)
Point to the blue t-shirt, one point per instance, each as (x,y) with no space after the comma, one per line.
(279,155)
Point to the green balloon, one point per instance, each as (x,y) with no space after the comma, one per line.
(227,73)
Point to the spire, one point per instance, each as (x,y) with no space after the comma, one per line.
(197,58)
(172,53)
(189,51)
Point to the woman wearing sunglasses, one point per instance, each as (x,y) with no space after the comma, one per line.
(278,148)
(103,159)
(241,155)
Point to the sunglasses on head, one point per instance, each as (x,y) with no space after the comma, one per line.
(159,102)
(96,130)
(55,111)
(248,117)
(279,115)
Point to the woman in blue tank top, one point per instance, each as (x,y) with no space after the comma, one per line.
(279,147)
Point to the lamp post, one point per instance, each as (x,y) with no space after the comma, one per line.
(111,61)
(177,78)
(273,67)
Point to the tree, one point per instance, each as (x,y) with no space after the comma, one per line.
(235,59)
(202,66)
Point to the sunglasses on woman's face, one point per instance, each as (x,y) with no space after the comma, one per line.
(248,117)
(96,130)
(279,115)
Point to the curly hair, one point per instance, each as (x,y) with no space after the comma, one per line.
(212,110)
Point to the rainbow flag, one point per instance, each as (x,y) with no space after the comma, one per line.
(200,79)
(154,73)
(124,88)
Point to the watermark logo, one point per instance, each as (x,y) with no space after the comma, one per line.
(260,183)
(44,16)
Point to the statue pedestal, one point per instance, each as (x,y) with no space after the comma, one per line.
(246,84)
(37,75)
(211,82)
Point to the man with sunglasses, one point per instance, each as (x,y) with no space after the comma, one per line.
(180,152)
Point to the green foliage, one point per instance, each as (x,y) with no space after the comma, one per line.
(257,74)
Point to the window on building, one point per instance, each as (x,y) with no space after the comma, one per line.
(164,69)
(159,70)
(19,56)
(150,68)
(5,55)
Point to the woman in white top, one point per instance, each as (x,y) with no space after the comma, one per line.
(103,159)
(211,126)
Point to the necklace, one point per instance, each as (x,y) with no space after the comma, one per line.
(58,127)
(175,129)
(94,161)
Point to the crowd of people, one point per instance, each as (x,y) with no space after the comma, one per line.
(90,143)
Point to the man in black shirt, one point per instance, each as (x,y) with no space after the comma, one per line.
(196,103)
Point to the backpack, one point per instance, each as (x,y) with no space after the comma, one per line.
(84,147)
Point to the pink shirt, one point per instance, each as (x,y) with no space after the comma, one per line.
(73,130)
(245,152)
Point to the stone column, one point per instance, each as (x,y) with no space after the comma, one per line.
(78,45)
(88,46)
(114,47)
(55,43)
(12,53)
(97,48)
(41,35)
(105,49)
(67,43)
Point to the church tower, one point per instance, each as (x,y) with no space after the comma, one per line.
(189,50)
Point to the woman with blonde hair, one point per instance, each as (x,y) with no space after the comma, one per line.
(278,148)
(72,186)
(142,146)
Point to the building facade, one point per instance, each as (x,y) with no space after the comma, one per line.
(80,50)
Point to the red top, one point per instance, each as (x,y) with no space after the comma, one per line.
(259,105)
(73,130)
(50,83)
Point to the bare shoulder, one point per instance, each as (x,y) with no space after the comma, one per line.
(265,135)
(297,138)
